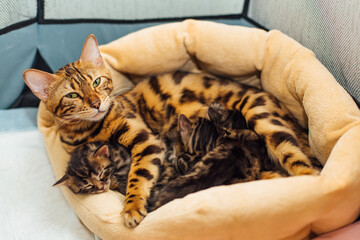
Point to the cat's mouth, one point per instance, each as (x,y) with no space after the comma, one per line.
(100,112)
(101,191)
(104,189)
(98,115)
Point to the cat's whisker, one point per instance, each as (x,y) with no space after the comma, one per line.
(110,94)
(118,87)
(74,116)
(117,92)
(64,115)
(69,118)
(61,123)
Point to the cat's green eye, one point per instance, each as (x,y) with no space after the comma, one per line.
(96,82)
(72,95)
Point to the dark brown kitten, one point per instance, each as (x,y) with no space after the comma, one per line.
(215,156)
(93,168)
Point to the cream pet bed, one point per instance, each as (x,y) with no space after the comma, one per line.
(288,208)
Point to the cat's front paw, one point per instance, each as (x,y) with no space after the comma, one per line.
(133,215)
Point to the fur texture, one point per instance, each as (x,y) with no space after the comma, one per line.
(86,109)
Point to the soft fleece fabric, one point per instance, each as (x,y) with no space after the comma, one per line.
(288,208)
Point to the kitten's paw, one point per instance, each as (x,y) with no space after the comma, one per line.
(133,216)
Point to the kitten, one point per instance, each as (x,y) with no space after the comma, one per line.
(86,108)
(94,168)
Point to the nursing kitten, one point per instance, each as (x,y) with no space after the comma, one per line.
(215,156)
(96,167)
(86,108)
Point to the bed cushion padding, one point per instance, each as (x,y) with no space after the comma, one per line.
(287,208)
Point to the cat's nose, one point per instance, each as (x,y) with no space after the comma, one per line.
(95,104)
(100,186)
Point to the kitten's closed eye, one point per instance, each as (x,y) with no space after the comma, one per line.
(109,166)
(89,186)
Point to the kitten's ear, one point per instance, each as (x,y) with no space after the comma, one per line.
(102,152)
(90,52)
(39,82)
(184,124)
(62,182)
(214,115)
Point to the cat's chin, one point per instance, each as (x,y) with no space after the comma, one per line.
(99,115)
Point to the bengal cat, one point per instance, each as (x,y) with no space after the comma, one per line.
(86,108)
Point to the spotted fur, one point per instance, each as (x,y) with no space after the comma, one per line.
(137,118)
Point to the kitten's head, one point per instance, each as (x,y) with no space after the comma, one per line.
(77,91)
(198,137)
(89,170)
(224,118)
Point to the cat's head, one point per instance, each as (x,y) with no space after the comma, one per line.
(89,170)
(221,117)
(78,91)
(199,136)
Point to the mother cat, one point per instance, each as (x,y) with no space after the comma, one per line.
(85,108)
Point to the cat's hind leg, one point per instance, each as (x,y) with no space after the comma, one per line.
(265,114)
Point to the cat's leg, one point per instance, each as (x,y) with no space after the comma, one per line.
(304,143)
(147,154)
(265,114)
(270,175)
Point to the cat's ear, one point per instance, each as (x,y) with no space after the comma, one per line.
(90,52)
(184,124)
(102,152)
(39,82)
(62,181)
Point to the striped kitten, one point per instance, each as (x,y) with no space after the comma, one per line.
(95,166)
(86,108)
